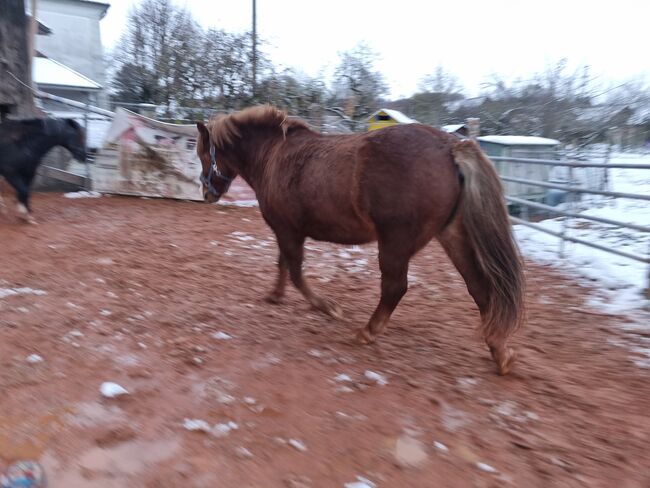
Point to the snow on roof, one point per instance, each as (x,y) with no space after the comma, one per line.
(520,140)
(46,71)
(397,115)
(452,127)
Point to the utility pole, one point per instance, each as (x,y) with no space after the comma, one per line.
(254,49)
(31,40)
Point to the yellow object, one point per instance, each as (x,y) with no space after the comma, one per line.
(387,117)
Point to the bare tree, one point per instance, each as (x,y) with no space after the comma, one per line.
(357,86)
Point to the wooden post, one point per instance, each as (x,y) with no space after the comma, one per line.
(473,127)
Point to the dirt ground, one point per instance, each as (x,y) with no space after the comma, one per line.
(165,298)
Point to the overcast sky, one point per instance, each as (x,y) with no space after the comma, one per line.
(470,38)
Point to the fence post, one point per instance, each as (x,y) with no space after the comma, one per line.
(86,165)
(565,221)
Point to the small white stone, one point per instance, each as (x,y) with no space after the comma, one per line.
(298,445)
(34,358)
(250,400)
(112,390)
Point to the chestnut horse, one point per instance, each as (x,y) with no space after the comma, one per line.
(400,186)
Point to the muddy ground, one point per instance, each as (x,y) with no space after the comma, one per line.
(165,298)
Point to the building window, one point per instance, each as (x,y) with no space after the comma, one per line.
(383,117)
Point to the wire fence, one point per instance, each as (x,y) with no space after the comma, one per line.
(574,185)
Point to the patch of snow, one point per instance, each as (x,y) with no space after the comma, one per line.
(361,483)
(82,194)
(221,336)
(222,430)
(9,292)
(239,203)
(112,390)
(34,358)
(196,425)
(621,281)
(376,377)
(486,467)
(342,377)
(440,446)
(298,445)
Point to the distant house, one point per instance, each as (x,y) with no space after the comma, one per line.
(386,117)
(70,62)
(460,129)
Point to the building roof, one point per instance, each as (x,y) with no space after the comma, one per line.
(519,140)
(397,115)
(43,28)
(452,127)
(51,73)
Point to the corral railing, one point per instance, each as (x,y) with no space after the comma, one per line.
(567,203)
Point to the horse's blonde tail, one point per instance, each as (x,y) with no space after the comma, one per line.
(486,222)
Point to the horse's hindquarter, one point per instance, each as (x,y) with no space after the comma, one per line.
(409,178)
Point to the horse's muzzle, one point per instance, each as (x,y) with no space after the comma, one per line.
(209,197)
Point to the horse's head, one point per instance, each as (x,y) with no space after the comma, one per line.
(74,138)
(215,176)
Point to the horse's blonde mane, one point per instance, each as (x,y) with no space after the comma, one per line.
(225,129)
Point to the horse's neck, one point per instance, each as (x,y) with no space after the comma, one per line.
(254,166)
(42,143)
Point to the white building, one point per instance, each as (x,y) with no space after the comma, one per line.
(71,62)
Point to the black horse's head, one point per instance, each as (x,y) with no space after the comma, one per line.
(73,138)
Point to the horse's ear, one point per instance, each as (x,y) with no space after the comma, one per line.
(203,130)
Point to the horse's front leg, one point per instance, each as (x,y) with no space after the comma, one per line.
(3,206)
(292,248)
(22,192)
(275,296)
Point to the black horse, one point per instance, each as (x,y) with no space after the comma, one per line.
(22,145)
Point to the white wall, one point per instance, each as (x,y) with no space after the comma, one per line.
(75,40)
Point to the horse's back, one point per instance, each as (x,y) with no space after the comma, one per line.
(409,170)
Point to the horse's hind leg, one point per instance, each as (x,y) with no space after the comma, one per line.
(292,248)
(278,290)
(394,259)
(456,244)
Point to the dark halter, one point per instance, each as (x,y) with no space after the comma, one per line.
(214,171)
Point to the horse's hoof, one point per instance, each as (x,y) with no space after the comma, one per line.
(334,310)
(329,307)
(273,298)
(364,337)
(28,219)
(506,360)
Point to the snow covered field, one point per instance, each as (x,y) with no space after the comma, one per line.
(619,282)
